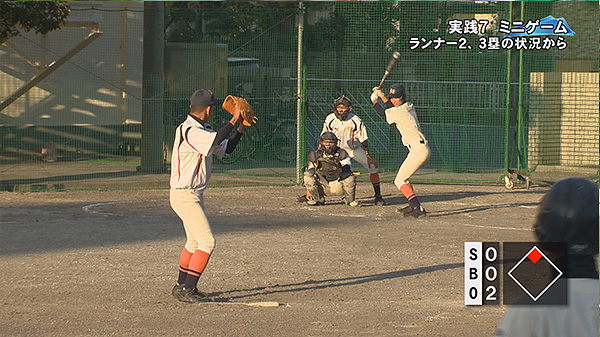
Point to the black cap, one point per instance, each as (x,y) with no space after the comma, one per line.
(397,90)
(569,212)
(203,97)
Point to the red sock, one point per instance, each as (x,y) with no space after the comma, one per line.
(184,263)
(198,262)
(409,193)
(376,183)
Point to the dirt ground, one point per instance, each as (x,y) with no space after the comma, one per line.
(102,263)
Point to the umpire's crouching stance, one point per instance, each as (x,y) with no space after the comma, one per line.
(195,143)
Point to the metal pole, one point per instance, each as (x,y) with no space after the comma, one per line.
(507,114)
(520,127)
(152,88)
(300,97)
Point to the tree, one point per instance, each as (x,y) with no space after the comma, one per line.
(232,22)
(40,16)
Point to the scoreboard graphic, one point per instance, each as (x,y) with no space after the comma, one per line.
(513,273)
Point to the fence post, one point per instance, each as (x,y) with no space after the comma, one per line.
(507,114)
(153,88)
(300,98)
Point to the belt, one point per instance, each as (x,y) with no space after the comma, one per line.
(422,141)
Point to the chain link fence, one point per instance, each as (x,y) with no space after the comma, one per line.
(476,103)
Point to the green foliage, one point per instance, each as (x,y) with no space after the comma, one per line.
(40,16)
(228,22)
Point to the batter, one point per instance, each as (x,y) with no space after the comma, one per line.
(402,113)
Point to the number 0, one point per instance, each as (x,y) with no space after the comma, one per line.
(473,293)
(493,256)
(491,276)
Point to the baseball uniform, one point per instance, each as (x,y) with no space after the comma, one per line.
(352,133)
(406,121)
(325,181)
(578,318)
(353,138)
(405,118)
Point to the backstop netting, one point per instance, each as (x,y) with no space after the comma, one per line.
(488,104)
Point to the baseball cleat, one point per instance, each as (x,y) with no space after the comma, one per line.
(313,202)
(416,212)
(404,210)
(176,290)
(302,198)
(379,200)
(193,296)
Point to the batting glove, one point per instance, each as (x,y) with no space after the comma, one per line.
(374,97)
(378,92)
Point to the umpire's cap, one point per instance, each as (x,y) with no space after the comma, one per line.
(203,97)
(397,90)
(569,212)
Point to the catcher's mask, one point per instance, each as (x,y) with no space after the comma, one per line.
(329,142)
(569,212)
(342,107)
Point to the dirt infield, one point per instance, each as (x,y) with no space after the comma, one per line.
(102,263)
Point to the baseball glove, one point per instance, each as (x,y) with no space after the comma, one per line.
(327,167)
(231,102)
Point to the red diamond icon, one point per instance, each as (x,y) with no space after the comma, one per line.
(535,255)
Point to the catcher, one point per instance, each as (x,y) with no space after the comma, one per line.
(329,174)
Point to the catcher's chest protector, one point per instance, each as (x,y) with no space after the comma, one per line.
(335,157)
(328,165)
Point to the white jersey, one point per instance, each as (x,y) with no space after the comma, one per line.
(191,162)
(579,318)
(406,121)
(351,132)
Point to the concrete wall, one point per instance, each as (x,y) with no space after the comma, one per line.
(563,120)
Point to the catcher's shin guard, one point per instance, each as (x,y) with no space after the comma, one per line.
(349,185)
(312,186)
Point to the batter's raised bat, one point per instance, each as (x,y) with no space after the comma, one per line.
(395,57)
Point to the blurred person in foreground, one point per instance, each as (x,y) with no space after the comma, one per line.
(568,213)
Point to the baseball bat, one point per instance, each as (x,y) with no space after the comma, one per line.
(395,57)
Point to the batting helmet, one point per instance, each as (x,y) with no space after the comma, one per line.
(345,101)
(396,91)
(569,212)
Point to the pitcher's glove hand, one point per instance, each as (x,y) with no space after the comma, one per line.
(247,113)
